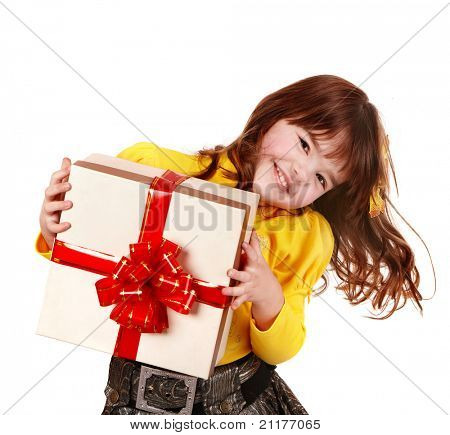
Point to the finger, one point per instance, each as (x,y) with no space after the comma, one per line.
(239,275)
(59,175)
(243,259)
(254,242)
(51,207)
(250,251)
(65,165)
(233,291)
(58,228)
(56,189)
(238,301)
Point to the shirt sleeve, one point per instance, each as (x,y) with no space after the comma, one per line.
(307,253)
(142,152)
(145,153)
(41,247)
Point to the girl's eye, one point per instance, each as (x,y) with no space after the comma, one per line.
(304,143)
(320,177)
(324,181)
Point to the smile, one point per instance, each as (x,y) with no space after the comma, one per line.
(280,178)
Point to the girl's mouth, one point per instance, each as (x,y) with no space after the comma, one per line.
(281,180)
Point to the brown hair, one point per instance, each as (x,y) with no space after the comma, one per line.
(337,109)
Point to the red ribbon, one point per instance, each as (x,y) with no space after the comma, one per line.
(142,286)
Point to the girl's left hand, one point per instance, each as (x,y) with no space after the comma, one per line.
(257,282)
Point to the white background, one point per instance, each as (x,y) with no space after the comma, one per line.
(187,75)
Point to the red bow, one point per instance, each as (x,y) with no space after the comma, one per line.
(144,286)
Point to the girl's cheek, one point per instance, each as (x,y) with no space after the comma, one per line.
(305,197)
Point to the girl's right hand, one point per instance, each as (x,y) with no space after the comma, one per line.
(54,203)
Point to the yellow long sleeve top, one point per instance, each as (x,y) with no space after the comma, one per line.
(297,249)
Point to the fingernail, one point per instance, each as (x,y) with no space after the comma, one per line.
(230,272)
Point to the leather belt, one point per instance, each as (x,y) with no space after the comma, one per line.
(176,393)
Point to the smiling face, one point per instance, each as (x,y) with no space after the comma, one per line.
(292,170)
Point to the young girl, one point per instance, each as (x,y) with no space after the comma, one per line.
(317,153)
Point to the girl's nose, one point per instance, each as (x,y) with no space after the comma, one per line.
(299,174)
(302,178)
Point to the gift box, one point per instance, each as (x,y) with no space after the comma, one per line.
(140,271)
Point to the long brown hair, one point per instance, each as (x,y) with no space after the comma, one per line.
(363,245)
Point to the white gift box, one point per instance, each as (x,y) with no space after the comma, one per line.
(209,221)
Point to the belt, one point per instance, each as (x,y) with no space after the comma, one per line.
(177,393)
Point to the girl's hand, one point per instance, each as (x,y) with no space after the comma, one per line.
(257,282)
(54,203)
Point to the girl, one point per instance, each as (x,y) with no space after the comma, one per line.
(317,153)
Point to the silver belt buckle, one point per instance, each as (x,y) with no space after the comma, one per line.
(146,372)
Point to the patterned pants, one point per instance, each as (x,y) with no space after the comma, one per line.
(220,394)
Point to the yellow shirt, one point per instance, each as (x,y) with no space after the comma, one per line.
(297,249)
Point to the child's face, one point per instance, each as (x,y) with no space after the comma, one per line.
(307,172)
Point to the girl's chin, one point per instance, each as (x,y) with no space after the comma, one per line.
(274,204)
